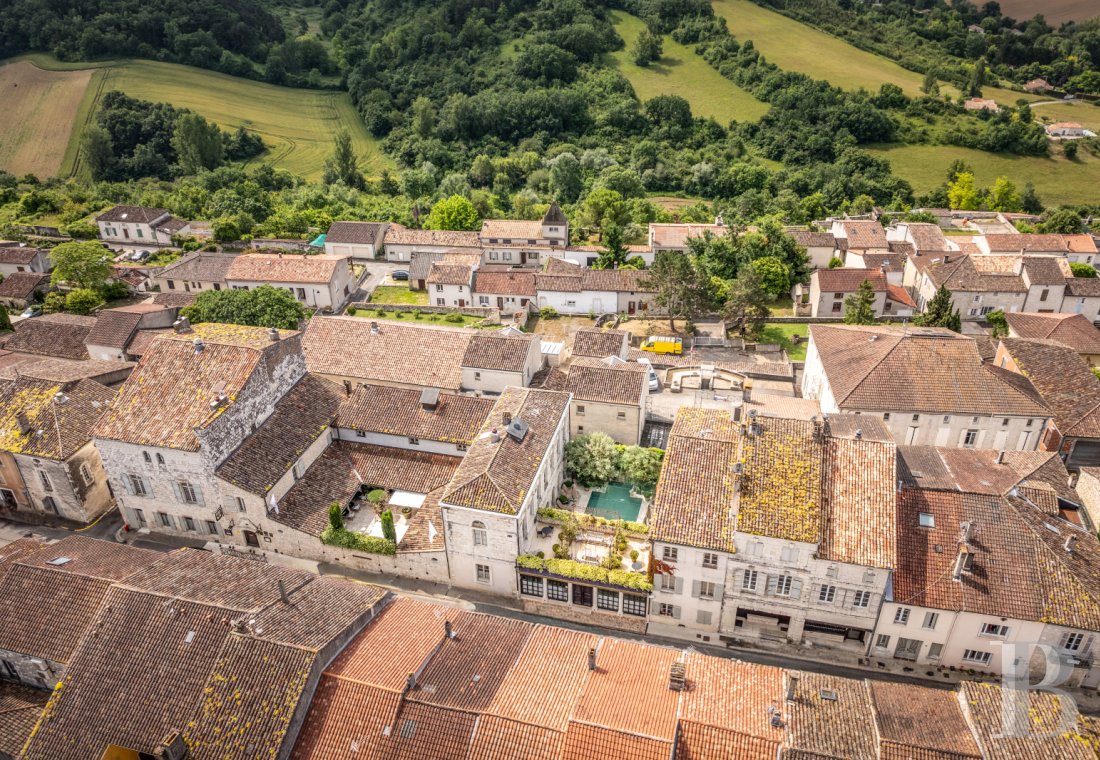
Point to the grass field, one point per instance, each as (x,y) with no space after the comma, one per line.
(681,72)
(782,333)
(1056,179)
(1084,113)
(36,122)
(398,294)
(794,46)
(298,125)
(1054,11)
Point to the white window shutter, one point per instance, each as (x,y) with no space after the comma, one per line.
(654,607)
(676,611)
(177,492)
(198,494)
(1063,641)
(127,485)
(679,584)
(718,591)
(796,588)
(773,582)
(695,588)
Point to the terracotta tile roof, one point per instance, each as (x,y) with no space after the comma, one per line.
(135,214)
(808,239)
(1046,270)
(1080,243)
(301,417)
(505,283)
(584,742)
(511,229)
(397,354)
(497,351)
(977,471)
(46,613)
(677,235)
(642,671)
(556,659)
(267,268)
(864,234)
(113,329)
(781,485)
(200,266)
(177,645)
(600,343)
(143,341)
(973,273)
(693,504)
(916,369)
(448,678)
(1064,381)
(450,274)
(895,262)
(344,467)
(65,427)
(174,299)
(425,528)
(19,255)
(59,335)
(1083,287)
(398,411)
(1040,714)
(592,380)
(860,505)
(1074,330)
(449,737)
(17,551)
(23,284)
(363,233)
(94,558)
(215,579)
(848,280)
(927,237)
(500,739)
(828,728)
(346,718)
(62,370)
(558,283)
(421,262)
(167,397)
(407,629)
(921,718)
(20,708)
(252,679)
(899,250)
(398,234)
(554,265)
(1028,243)
(791,408)
(900,295)
(498,476)
(616,280)
(734,697)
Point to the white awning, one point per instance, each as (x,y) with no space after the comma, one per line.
(407,499)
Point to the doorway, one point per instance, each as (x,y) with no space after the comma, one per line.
(251,538)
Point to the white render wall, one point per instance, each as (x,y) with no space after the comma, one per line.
(694,616)
(446,448)
(449,295)
(582,302)
(75,499)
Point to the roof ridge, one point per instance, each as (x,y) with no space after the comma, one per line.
(868,373)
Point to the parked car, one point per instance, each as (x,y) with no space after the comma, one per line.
(31,311)
(139,255)
(399,274)
(663,345)
(654,382)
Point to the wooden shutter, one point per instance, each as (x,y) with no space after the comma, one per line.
(679,584)
(695,588)
(676,611)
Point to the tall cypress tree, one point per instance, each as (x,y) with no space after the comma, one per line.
(940,312)
(859,308)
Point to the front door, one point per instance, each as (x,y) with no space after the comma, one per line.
(500,303)
(630,307)
(461,303)
(908,649)
(251,538)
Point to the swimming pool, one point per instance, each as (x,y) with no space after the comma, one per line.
(615,503)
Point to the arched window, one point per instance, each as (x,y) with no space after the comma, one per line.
(480,536)
(148,459)
(160,461)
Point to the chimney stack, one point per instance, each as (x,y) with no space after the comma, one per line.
(859,434)
(1000,457)
(592,658)
(198,344)
(182,325)
(23,422)
(273,334)
(507,418)
(792,688)
(746,391)
(373,328)
(960,562)
(448,629)
(282,592)
(1070,541)
(677,676)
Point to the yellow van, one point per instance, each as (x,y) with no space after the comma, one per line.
(664,345)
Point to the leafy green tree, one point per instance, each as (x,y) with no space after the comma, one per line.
(931,84)
(198,144)
(614,251)
(481,171)
(1004,196)
(423,117)
(682,288)
(775,276)
(5,321)
(98,151)
(746,307)
(940,312)
(1069,150)
(54,303)
(592,459)
(454,213)
(389,532)
(1087,271)
(1064,221)
(836,262)
(566,177)
(641,467)
(336,516)
(344,164)
(998,322)
(961,193)
(647,48)
(1086,81)
(859,308)
(265,306)
(977,79)
(83,265)
(82,301)
(604,208)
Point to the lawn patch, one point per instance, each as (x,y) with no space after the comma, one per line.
(398,294)
(782,333)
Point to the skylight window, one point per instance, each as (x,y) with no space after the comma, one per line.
(927,520)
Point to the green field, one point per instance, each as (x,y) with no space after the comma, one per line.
(681,72)
(1056,180)
(399,294)
(1084,113)
(794,46)
(297,124)
(782,334)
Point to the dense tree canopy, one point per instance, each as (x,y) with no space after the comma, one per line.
(265,306)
